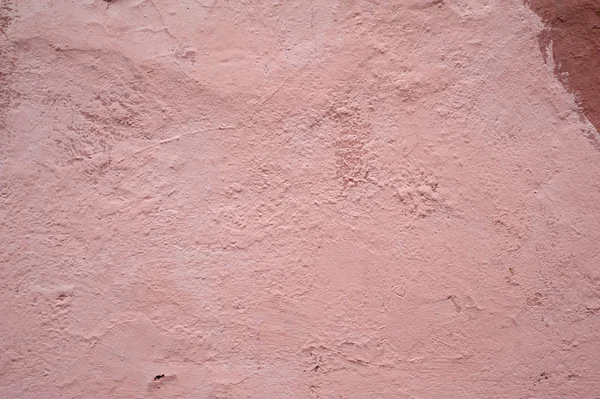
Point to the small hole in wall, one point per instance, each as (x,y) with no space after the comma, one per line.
(158,377)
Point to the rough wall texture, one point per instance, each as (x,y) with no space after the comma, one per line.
(293,199)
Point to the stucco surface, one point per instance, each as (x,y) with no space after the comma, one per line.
(293,199)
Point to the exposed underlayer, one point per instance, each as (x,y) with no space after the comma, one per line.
(572,39)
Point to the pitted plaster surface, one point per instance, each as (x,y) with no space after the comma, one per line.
(293,199)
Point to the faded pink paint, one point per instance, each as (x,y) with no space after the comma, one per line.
(293,199)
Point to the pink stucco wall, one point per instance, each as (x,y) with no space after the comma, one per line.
(293,199)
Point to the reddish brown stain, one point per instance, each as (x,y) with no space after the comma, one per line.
(574,30)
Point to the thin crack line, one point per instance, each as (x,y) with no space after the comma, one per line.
(175,138)
(292,76)
(162,19)
(270,96)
